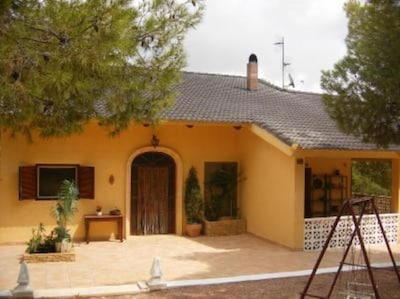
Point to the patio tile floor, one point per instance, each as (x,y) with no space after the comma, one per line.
(112,263)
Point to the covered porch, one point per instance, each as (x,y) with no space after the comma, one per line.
(329,180)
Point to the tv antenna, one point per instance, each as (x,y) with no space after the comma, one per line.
(291,81)
(284,63)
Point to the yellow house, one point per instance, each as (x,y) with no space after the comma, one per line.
(279,139)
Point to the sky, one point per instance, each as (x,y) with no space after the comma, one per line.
(314,32)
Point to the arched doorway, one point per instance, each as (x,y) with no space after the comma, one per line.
(153,183)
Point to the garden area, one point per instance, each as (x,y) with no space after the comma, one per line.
(59,240)
(219,210)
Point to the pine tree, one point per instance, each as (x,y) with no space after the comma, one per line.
(363,89)
(371,177)
(61,60)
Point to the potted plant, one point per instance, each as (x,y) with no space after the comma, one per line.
(221,213)
(193,204)
(64,211)
(115,211)
(99,211)
(40,242)
(63,240)
(222,187)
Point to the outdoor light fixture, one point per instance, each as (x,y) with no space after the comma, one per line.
(189,126)
(238,127)
(155,141)
(111,179)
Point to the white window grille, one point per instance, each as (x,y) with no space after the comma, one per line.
(316,230)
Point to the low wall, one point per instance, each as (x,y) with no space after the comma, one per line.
(49,257)
(316,231)
(224,227)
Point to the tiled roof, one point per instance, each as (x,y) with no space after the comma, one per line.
(293,117)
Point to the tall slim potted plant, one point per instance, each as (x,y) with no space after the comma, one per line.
(64,211)
(193,204)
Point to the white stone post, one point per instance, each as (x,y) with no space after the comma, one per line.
(23,289)
(156,282)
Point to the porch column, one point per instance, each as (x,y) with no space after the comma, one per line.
(299,203)
(395,203)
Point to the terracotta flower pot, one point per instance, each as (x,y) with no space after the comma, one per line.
(193,229)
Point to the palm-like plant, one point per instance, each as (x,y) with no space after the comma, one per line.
(66,207)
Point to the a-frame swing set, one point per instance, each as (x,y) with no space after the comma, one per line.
(348,208)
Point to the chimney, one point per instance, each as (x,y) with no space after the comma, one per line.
(252,73)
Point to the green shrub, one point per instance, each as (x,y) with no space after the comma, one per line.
(193,199)
(40,242)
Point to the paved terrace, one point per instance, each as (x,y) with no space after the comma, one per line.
(112,263)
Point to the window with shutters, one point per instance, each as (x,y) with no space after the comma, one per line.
(42,181)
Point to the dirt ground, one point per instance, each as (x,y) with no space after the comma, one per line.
(287,288)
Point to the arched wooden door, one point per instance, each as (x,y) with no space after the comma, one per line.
(153,194)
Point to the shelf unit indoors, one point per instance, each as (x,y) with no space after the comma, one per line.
(328,193)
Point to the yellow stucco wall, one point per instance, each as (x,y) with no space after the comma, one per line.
(271,198)
(109,156)
(269,194)
(395,186)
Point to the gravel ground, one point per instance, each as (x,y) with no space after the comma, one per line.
(389,287)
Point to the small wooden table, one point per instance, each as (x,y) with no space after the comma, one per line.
(103,218)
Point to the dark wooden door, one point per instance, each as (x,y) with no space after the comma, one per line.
(152,203)
(153,194)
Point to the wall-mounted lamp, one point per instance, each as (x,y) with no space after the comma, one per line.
(238,127)
(155,141)
(189,126)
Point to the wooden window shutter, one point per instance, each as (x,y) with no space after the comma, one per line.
(86,182)
(27,182)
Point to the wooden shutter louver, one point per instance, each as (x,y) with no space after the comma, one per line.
(27,182)
(86,182)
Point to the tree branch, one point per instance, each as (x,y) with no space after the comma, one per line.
(39,41)
(48,30)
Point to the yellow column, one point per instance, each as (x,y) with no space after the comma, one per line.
(299,203)
(395,186)
(1,151)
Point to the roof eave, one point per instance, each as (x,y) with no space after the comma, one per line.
(288,150)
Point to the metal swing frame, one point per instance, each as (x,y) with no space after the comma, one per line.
(348,206)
